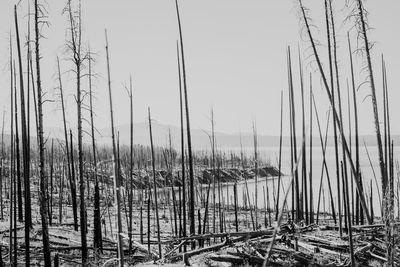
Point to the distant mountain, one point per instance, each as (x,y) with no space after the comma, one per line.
(200,138)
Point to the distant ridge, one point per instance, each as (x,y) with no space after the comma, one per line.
(200,138)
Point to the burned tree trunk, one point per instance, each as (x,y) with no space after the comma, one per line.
(71,177)
(43,179)
(116,171)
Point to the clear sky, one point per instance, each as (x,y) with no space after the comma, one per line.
(235,56)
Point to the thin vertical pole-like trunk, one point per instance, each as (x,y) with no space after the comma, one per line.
(247,193)
(280,161)
(18,192)
(385,136)
(265,208)
(116,171)
(304,196)
(28,212)
(2,170)
(293,119)
(351,192)
(11,189)
(268,208)
(189,139)
(24,134)
(34,101)
(358,173)
(14,199)
(97,239)
(170,167)
(182,148)
(43,180)
(291,150)
(311,158)
(235,199)
(61,190)
(209,182)
(349,225)
(328,26)
(375,110)
(148,215)
(389,165)
(51,168)
(155,185)
(256,173)
(71,177)
(131,167)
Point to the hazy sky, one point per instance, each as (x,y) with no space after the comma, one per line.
(235,57)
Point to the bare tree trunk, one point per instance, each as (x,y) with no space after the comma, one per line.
(24,134)
(97,239)
(280,161)
(155,186)
(71,176)
(311,158)
(182,149)
(18,191)
(335,114)
(334,123)
(43,180)
(51,167)
(304,195)
(256,173)
(2,170)
(358,175)
(116,171)
(293,116)
(131,168)
(11,175)
(77,59)
(189,139)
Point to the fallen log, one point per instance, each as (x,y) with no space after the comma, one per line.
(373,255)
(315,249)
(324,242)
(251,234)
(305,259)
(251,259)
(359,251)
(192,253)
(227,258)
(172,250)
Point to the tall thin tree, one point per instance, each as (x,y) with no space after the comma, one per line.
(117,181)
(39,14)
(189,139)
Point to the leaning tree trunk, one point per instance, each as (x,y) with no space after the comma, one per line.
(385,192)
(335,114)
(189,139)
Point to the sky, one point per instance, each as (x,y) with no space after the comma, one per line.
(235,53)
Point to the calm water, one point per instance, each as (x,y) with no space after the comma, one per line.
(272,154)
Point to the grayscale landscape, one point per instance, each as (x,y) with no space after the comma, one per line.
(199,133)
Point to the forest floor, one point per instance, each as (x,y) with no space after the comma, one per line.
(295,244)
